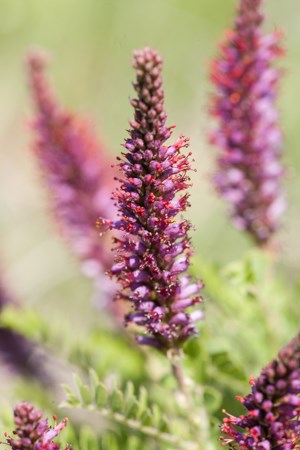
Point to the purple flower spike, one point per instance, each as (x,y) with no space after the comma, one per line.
(247,131)
(33,433)
(273,408)
(76,172)
(153,247)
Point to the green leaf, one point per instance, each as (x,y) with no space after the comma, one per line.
(84,391)
(87,439)
(164,425)
(86,395)
(142,401)
(156,416)
(145,418)
(72,399)
(94,381)
(131,404)
(109,442)
(100,395)
(116,401)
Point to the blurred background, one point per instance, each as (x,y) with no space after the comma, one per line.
(90,43)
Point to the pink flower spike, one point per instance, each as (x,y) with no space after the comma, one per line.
(247,132)
(152,244)
(76,170)
(273,407)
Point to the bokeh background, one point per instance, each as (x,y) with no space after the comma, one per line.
(90,43)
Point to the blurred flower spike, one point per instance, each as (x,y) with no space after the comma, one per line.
(153,247)
(273,408)
(76,172)
(32,432)
(247,131)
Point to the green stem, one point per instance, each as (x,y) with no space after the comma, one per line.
(174,357)
(197,416)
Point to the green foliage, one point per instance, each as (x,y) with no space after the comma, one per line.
(102,351)
(249,308)
(146,411)
(125,407)
(26,322)
(218,363)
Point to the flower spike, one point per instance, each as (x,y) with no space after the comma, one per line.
(247,131)
(76,172)
(32,432)
(273,408)
(153,247)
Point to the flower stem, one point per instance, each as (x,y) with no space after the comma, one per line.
(174,356)
(196,414)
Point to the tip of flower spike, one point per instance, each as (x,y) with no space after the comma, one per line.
(145,59)
(279,49)
(37,58)
(37,61)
